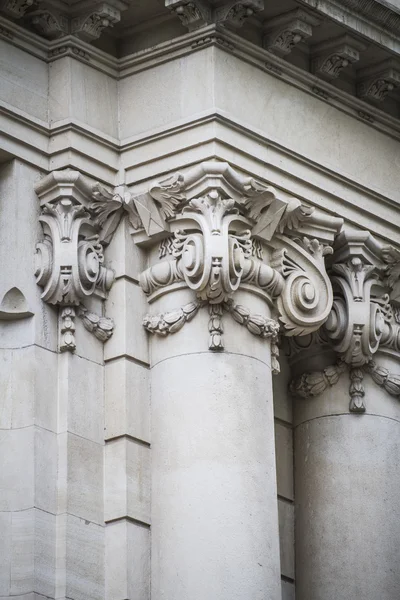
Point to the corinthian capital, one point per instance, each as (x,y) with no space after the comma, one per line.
(70,258)
(224,231)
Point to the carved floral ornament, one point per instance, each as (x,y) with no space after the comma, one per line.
(365,317)
(217,232)
(223,224)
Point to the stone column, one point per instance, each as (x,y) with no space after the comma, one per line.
(214,518)
(347,473)
(214,504)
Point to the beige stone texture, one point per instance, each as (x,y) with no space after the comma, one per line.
(81,478)
(127,403)
(127,561)
(84,562)
(81,405)
(21,231)
(286,537)
(124,256)
(127,480)
(347,500)
(214,506)
(284,460)
(78,92)
(28,387)
(125,302)
(24,81)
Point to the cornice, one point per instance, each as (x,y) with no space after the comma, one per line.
(369,18)
(210,36)
(106,155)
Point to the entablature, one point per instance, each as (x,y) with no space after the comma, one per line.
(355,46)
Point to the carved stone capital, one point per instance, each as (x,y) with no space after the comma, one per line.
(232,232)
(364,316)
(53,21)
(284,32)
(197,13)
(236,12)
(16,8)
(375,83)
(70,257)
(331,58)
(49,23)
(91,25)
(192,13)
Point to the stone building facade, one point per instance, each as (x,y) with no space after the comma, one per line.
(199,300)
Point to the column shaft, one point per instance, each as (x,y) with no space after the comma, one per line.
(214,504)
(347,502)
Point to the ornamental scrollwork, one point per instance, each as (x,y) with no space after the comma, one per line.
(364,316)
(232,232)
(69,260)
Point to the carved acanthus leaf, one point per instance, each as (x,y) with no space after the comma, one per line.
(378,81)
(227,219)
(356,323)
(284,32)
(238,12)
(50,24)
(212,262)
(316,249)
(196,13)
(331,57)
(257,203)
(295,214)
(168,193)
(90,26)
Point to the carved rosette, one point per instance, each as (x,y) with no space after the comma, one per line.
(70,258)
(233,232)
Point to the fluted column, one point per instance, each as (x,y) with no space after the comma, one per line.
(347,437)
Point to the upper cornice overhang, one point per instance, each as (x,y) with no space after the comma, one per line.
(212,35)
(375,20)
(378,12)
